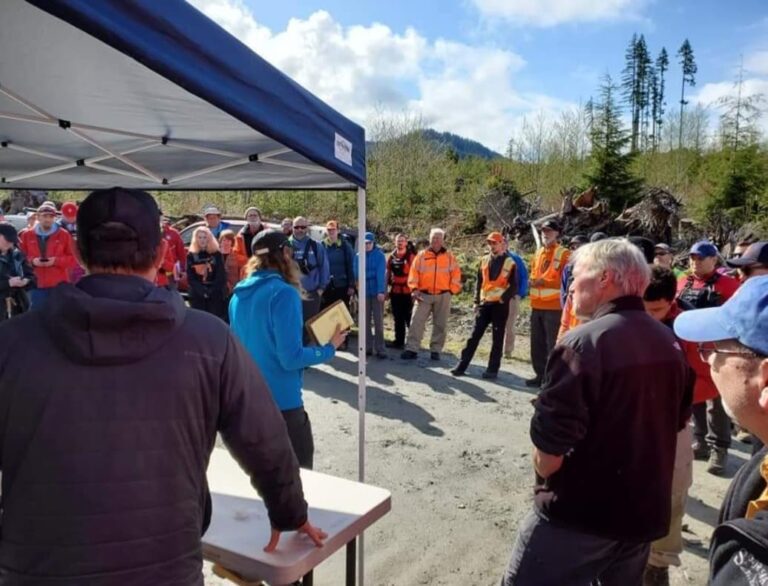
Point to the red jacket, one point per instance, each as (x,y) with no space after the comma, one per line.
(175,253)
(705,388)
(58,247)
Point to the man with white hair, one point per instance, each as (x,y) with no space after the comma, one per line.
(616,391)
(435,276)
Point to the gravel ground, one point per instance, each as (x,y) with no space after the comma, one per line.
(455,453)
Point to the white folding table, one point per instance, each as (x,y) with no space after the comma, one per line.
(240,528)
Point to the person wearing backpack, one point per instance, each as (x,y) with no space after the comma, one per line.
(398,267)
(341,260)
(705,287)
(312,259)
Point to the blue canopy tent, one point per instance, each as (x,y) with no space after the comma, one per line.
(154,95)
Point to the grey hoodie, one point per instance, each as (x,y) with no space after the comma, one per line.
(110,400)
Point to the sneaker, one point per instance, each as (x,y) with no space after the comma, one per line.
(700,451)
(533,382)
(654,576)
(434,355)
(395,345)
(409,355)
(718,458)
(382,354)
(458,371)
(489,375)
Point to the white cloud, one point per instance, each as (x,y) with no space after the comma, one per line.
(546,13)
(711,93)
(362,70)
(757,63)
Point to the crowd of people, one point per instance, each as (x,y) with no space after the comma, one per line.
(640,367)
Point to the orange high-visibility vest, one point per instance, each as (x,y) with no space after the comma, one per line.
(491,291)
(548,264)
(435,273)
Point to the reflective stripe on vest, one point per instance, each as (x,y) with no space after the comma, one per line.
(492,291)
(544,293)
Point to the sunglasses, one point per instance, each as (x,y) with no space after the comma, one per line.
(300,227)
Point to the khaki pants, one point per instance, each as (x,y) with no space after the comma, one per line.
(509,333)
(439,306)
(666,551)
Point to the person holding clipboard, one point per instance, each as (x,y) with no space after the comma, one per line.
(265,314)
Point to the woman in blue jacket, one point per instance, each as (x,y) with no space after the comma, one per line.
(375,294)
(265,314)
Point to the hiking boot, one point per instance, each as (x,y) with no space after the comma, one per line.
(700,450)
(458,371)
(487,374)
(434,355)
(718,458)
(409,355)
(654,576)
(533,382)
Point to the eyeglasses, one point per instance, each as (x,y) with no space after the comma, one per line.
(706,350)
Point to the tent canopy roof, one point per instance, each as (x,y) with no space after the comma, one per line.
(154,95)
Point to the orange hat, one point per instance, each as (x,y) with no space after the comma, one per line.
(332,224)
(495,237)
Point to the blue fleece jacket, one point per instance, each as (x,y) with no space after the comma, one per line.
(375,271)
(522,274)
(265,314)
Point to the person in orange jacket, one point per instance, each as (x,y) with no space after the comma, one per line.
(544,292)
(248,232)
(49,249)
(434,277)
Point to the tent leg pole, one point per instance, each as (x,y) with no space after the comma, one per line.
(361,358)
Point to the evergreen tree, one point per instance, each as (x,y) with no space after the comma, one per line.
(629,78)
(685,54)
(610,161)
(738,122)
(662,64)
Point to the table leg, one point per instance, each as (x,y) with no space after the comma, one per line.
(351,561)
(307,579)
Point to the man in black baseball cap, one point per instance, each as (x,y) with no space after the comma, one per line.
(752,263)
(119,425)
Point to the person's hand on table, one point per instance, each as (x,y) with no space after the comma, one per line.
(315,534)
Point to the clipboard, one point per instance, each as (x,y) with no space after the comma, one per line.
(322,326)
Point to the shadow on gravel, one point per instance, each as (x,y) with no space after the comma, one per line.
(378,401)
(701,511)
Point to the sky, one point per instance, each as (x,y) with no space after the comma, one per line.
(477,67)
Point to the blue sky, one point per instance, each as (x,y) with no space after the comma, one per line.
(476,67)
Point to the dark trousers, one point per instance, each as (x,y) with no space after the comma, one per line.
(545,555)
(333,294)
(545,324)
(215,304)
(310,307)
(300,432)
(402,306)
(496,315)
(711,424)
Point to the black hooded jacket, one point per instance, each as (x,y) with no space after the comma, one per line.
(738,555)
(14,300)
(110,400)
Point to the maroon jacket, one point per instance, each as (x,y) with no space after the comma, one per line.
(110,400)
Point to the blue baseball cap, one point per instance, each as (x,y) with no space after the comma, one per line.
(744,317)
(704,248)
(369,237)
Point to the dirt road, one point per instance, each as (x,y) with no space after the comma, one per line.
(455,453)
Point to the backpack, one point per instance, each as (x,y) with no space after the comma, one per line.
(690,298)
(303,263)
